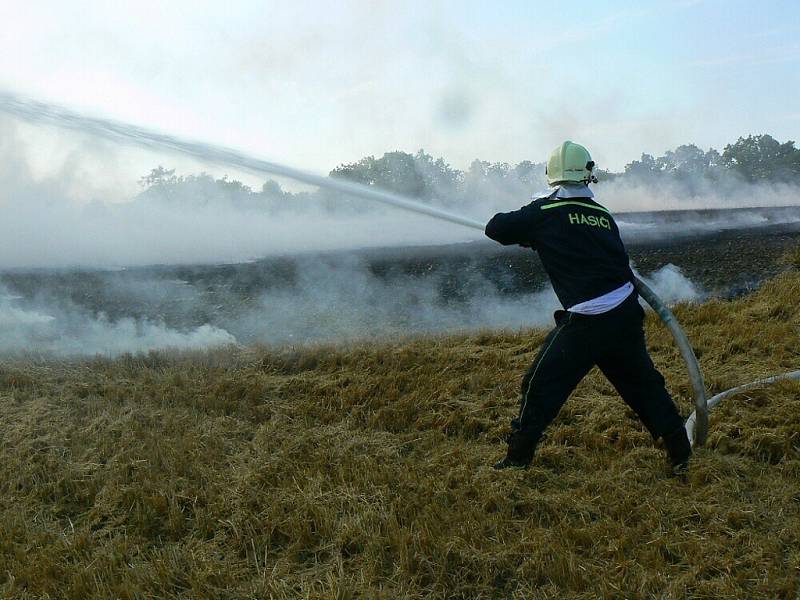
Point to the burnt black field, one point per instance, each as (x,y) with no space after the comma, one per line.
(386,291)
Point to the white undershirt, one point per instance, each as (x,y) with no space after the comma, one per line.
(603,304)
(576,190)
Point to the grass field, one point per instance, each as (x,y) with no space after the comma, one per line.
(363,472)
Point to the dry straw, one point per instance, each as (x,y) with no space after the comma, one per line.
(362,472)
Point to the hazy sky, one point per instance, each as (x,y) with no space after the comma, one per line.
(315,84)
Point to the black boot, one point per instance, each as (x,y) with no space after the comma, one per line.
(679,450)
(520,451)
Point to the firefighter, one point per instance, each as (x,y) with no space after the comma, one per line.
(581,250)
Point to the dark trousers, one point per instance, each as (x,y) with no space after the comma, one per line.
(614,341)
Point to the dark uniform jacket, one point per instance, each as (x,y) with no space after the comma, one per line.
(578,243)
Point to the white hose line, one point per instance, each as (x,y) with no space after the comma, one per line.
(714,400)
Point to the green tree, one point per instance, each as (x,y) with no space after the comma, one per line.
(646,166)
(528,172)
(417,176)
(159,176)
(687,164)
(440,179)
(685,161)
(762,157)
(272,189)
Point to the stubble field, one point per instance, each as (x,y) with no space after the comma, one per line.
(363,472)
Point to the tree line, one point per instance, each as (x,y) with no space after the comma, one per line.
(751,159)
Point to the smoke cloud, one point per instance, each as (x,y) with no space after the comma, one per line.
(44,226)
(694,193)
(338,300)
(87,307)
(672,286)
(64,329)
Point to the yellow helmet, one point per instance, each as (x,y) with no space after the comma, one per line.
(570,163)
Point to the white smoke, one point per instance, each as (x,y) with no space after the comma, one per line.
(65,329)
(672,286)
(35,234)
(629,194)
(334,301)
(342,299)
(43,226)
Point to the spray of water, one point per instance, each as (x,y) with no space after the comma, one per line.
(38,112)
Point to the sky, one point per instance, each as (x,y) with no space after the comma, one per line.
(317,84)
